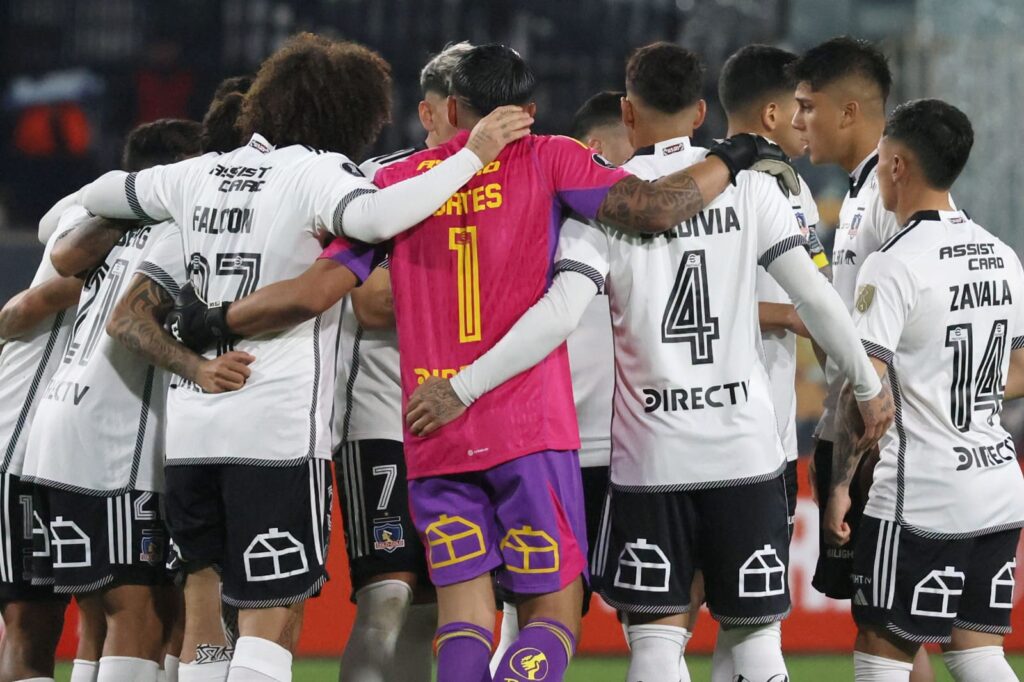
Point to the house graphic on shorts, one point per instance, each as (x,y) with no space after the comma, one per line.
(643,566)
(763,574)
(938,593)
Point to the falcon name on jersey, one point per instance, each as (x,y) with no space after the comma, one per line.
(100,426)
(249,218)
(692,406)
(943,303)
(864,225)
(28,363)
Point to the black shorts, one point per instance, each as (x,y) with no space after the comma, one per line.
(650,544)
(96,543)
(835,564)
(265,528)
(18,528)
(919,588)
(792,489)
(374,494)
(595,497)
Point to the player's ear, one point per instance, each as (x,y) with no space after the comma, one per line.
(453,112)
(426,116)
(595,144)
(849,113)
(628,115)
(701,114)
(770,116)
(531,109)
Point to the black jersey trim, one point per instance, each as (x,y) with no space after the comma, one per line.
(901,433)
(780,248)
(591,273)
(899,235)
(658,609)
(877,351)
(644,151)
(857,185)
(30,397)
(82,589)
(339,210)
(140,435)
(350,384)
(980,627)
(936,535)
(160,276)
(311,452)
(235,461)
(737,621)
(920,639)
(1017,343)
(78,490)
(398,155)
(704,485)
(925,215)
(133,198)
(274,603)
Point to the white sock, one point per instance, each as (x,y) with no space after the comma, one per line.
(721,660)
(655,651)
(84,671)
(509,634)
(37,679)
(870,668)
(171,664)
(756,652)
(260,660)
(381,610)
(203,672)
(684,672)
(980,664)
(415,658)
(125,668)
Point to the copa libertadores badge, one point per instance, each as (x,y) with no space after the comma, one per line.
(865,297)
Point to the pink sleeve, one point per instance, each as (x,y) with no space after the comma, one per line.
(581,177)
(358,257)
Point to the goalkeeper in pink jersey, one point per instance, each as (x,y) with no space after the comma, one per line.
(499,490)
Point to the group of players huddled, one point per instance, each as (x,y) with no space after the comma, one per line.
(462,327)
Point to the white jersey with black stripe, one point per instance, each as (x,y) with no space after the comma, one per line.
(368,397)
(28,363)
(692,406)
(942,303)
(250,218)
(100,425)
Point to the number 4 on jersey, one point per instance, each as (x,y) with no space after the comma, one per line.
(688,313)
(969,393)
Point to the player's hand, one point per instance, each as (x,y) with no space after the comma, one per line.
(753,152)
(876,415)
(836,529)
(495,130)
(812,479)
(796,325)
(432,405)
(196,324)
(227,372)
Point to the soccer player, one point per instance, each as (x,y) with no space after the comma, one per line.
(94,452)
(598,124)
(250,218)
(940,309)
(688,376)
(395,615)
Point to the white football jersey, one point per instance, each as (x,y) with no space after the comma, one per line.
(100,426)
(592,364)
(864,225)
(780,347)
(250,218)
(28,363)
(943,303)
(692,406)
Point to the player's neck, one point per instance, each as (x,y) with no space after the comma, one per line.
(651,134)
(922,199)
(864,143)
(739,125)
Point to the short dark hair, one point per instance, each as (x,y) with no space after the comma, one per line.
(332,95)
(490,76)
(604,108)
(752,75)
(167,140)
(841,57)
(436,75)
(233,84)
(939,135)
(667,77)
(220,124)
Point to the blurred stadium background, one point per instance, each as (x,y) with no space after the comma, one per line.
(75,75)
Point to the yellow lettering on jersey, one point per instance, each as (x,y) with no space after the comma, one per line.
(530,551)
(477,199)
(427,164)
(422,373)
(452,540)
(492,167)
(463,241)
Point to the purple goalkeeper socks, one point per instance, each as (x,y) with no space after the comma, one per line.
(463,653)
(542,652)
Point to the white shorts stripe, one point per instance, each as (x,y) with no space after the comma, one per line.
(314,508)
(111,538)
(5,528)
(876,576)
(127,504)
(360,502)
(893,562)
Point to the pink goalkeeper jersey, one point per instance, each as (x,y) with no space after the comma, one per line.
(465,275)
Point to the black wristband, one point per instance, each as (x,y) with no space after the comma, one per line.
(216,321)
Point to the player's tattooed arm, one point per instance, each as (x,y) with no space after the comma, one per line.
(27,309)
(432,405)
(85,246)
(137,323)
(635,205)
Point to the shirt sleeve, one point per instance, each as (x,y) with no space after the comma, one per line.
(777,228)
(358,257)
(583,248)
(327,184)
(1017,325)
(165,261)
(882,304)
(581,177)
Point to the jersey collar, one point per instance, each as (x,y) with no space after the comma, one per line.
(260,144)
(860,174)
(665,147)
(954,216)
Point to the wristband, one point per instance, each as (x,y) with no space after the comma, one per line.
(820,259)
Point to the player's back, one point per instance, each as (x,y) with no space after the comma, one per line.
(464,276)
(948,466)
(692,401)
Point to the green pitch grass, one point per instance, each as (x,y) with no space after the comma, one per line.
(801,669)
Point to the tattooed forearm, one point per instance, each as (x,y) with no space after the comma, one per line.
(635,205)
(136,323)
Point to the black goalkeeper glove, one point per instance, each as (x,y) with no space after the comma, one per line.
(195,324)
(753,152)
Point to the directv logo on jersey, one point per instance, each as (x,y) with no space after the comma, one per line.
(696,398)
